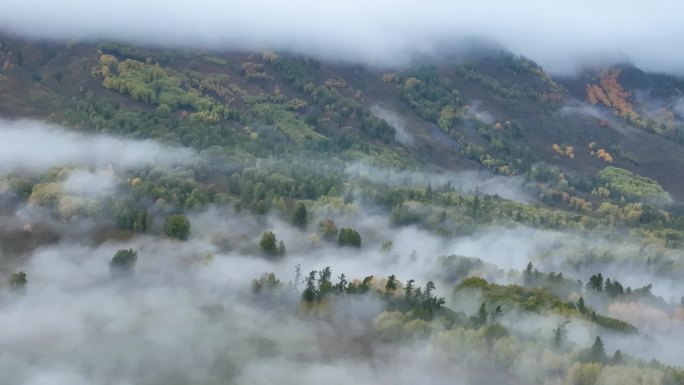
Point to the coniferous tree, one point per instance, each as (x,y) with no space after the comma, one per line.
(300,218)
(391,285)
(597,352)
(580,305)
(341,286)
(408,289)
(123,262)
(482,315)
(560,334)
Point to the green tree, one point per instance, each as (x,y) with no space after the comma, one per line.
(267,283)
(300,218)
(560,334)
(310,292)
(482,315)
(597,352)
(123,261)
(581,306)
(349,237)
(617,357)
(341,286)
(408,289)
(18,282)
(391,285)
(177,226)
(595,282)
(163,111)
(325,286)
(269,245)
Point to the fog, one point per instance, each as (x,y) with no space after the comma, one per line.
(559,34)
(467,181)
(28,145)
(403,135)
(181,319)
(188,315)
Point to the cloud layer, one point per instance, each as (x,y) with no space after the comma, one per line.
(558,34)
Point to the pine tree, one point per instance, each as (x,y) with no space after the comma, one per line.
(482,315)
(580,305)
(597,353)
(527,274)
(617,358)
(559,334)
(408,289)
(341,286)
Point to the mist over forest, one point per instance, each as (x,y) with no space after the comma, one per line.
(294,192)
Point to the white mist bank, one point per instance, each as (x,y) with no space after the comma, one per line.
(28,145)
(558,34)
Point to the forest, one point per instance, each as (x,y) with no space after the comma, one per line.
(191,216)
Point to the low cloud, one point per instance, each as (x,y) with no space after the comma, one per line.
(558,34)
(27,145)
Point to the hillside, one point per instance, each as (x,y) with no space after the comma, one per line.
(494,111)
(182,215)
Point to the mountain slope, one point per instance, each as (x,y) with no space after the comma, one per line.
(494,111)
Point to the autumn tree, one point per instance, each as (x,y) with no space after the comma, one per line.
(328,229)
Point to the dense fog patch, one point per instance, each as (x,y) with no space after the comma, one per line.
(27,145)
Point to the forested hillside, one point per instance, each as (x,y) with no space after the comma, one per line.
(195,216)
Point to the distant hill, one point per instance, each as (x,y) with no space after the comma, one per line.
(495,111)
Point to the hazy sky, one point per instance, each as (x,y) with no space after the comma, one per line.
(557,34)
